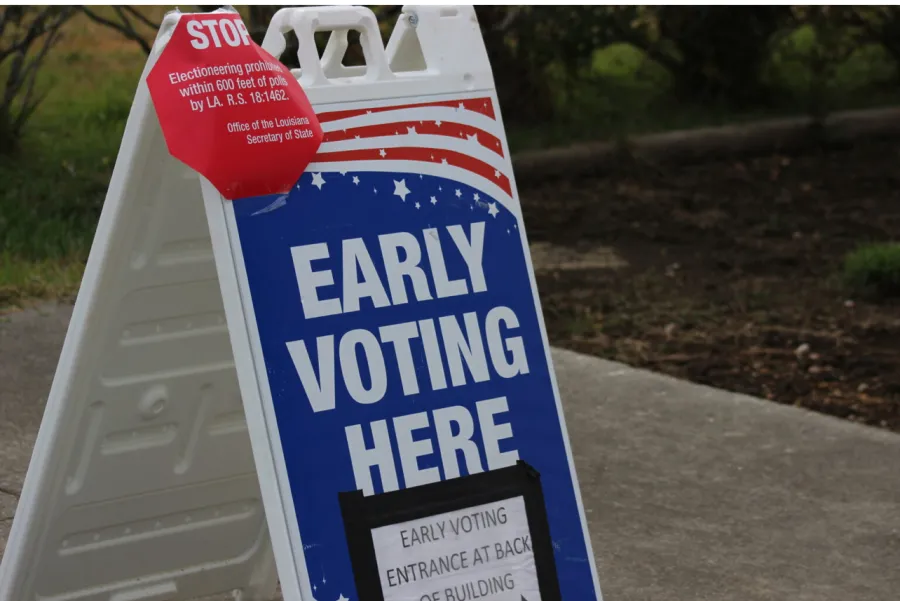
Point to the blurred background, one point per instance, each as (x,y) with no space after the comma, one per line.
(771,273)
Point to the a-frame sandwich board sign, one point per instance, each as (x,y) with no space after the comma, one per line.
(385,337)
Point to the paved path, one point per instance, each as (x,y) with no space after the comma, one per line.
(692,493)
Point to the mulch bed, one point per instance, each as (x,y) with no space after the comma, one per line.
(734,275)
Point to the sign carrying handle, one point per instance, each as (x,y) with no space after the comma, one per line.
(305,22)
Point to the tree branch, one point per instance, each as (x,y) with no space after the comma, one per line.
(30,72)
(125,28)
(512,14)
(35,30)
(4,19)
(140,17)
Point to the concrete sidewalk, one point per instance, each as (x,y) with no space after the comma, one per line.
(692,493)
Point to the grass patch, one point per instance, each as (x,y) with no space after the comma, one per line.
(874,270)
(22,279)
(52,189)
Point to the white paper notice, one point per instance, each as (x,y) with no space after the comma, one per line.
(482,552)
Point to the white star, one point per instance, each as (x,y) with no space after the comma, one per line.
(318,181)
(476,197)
(507,230)
(356,180)
(438,122)
(440,189)
(342,598)
(458,193)
(443,161)
(496,173)
(433,200)
(492,209)
(400,189)
(418,206)
(382,153)
(411,131)
(472,138)
(461,105)
(375,190)
(298,186)
(421,176)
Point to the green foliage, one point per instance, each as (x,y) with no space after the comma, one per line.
(52,190)
(818,81)
(879,25)
(696,45)
(746,59)
(874,269)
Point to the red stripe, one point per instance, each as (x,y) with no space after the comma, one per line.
(479,105)
(456,159)
(452,130)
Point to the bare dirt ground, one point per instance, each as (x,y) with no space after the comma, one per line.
(729,274)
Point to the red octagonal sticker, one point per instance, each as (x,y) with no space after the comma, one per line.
(230,110)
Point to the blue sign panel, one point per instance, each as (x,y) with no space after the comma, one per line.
(403,347)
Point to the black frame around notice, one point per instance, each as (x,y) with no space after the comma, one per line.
(362,514)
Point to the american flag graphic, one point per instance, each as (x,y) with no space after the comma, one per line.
(459,139)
